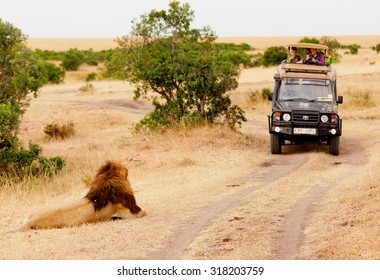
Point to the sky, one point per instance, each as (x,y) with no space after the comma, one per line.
(228,18)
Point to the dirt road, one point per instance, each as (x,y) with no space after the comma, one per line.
(292,187)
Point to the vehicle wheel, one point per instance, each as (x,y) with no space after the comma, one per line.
(334,145)
(275,143)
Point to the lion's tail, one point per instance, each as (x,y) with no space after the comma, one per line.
(70,215)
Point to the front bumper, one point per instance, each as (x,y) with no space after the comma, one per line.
(305,129)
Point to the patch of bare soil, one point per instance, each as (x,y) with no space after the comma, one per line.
(185,233)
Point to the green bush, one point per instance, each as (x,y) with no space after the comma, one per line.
(72,59)
(274,56)
(90,77)
(237,57)
(17,163)
(265,93)
(257,96)
(53,74)
(71,56)
(353,48)
(377,48)
(48,55)
(90,57)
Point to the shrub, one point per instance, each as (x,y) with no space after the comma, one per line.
(72,59)
(87,88)
(274,56)
(237,57)
(354,48)
(257,96)
(332,43)
(52,73)
(48,55)
(59,131)
(90,77)
(376,48)
(17,163)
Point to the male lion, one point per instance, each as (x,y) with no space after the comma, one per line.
(110,195)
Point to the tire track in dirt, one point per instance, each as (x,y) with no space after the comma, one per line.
(291,239)
(289,243)
(184,234)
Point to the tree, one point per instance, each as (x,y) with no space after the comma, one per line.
(312,40)
(333,45)
(20,76)
(189,74)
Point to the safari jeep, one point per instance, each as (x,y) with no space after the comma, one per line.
(304,104)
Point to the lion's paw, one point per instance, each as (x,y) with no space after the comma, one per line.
(140,214)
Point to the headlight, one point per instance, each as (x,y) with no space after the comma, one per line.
(324,118)
(286,117)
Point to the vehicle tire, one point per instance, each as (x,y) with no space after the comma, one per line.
(334,142)
(275,143)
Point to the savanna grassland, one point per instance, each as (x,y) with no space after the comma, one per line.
(210,192)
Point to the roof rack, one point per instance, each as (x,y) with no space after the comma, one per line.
(305,68)
(305,71)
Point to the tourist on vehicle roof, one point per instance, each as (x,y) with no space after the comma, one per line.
(314,57)
(294,56)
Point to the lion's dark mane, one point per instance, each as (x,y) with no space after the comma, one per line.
(111,185)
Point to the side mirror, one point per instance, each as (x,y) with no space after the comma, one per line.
(270,96)
(340,99)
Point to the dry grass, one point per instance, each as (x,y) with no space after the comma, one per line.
(179,172)
(348,226)
(360,98)
(57,131)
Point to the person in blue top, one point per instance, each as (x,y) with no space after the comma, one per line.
(314,57)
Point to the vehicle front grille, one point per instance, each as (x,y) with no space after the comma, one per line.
(305,117)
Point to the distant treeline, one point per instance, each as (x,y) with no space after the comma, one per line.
(239,54)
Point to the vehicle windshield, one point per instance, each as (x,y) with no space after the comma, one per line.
(307,90)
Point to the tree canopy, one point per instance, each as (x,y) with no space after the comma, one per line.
(21,75)
(179,68)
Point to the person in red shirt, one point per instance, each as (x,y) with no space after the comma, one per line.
(314,57)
